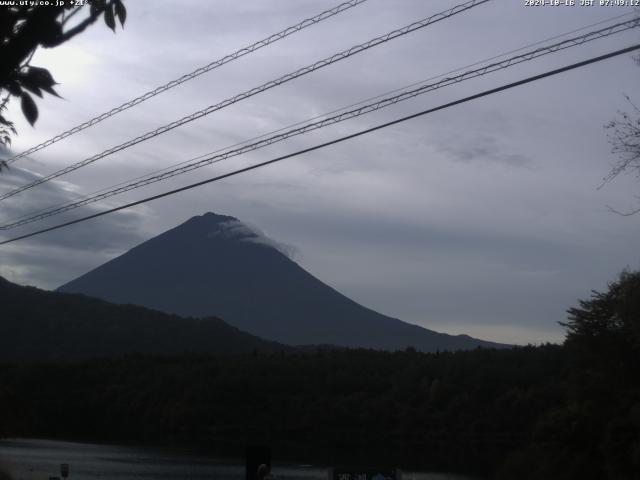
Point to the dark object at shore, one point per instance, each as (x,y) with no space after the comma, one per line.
(258,462)
(364,474)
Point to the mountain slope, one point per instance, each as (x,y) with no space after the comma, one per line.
(41,325)
(215,265)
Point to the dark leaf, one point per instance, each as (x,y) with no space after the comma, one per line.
(36,79)
(7,124)
(14,89)
(96,7)
(121,11)
(41,76)
(51,91)
(32,89)
(50,33)
(29,108)
(109,18)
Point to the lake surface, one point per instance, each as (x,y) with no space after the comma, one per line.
(28,459)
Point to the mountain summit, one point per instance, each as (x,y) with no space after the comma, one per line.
(214,265)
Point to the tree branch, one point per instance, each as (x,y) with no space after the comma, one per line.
(81,27)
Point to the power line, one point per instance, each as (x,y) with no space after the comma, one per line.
(325,114)
(189,76)
(254,91)
(200,162)
(322,115)
(335,141)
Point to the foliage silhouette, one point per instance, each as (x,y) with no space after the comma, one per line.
(24,28)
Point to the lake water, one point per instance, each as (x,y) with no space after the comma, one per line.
(27,459)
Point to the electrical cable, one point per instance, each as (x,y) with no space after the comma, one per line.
(254,91)
(333,142)
(210,158)
(322,115)
(189,76)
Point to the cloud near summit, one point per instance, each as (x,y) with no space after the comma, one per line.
(235,229)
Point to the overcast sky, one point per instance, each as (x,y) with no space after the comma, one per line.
(482,219)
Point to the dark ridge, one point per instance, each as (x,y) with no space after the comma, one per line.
(41,325)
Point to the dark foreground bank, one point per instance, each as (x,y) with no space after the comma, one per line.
(480,412)
(570,411)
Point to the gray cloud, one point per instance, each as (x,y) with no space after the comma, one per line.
(51,258)
(484,148)
(234,229)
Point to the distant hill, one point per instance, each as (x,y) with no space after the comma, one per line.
(215,265)
(40,325)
